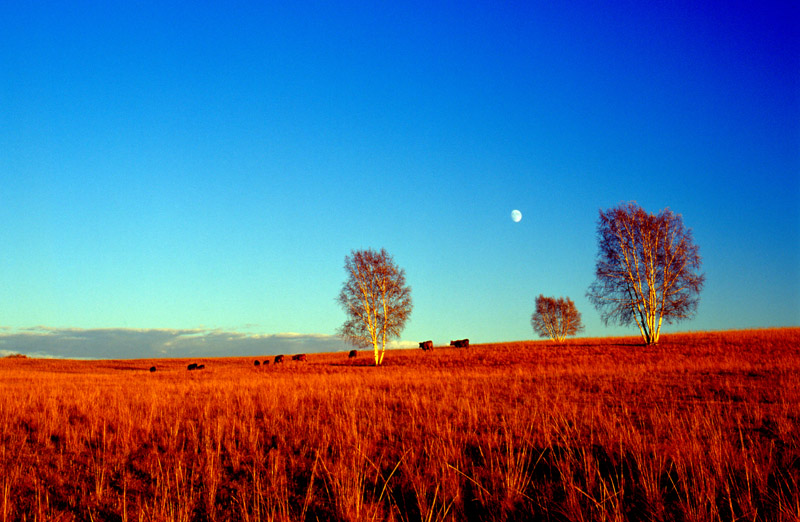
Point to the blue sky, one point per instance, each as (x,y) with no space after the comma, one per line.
(193,167)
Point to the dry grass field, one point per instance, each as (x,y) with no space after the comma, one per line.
(703,427)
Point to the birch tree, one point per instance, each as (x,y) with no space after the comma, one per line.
(647,269)
(556,318)
(376,300)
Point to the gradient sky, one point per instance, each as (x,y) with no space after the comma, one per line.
(197,167)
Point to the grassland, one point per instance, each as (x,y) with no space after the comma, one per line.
(702,427)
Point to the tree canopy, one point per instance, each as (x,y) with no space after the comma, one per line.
(556,318)
(375,298)
(647,269)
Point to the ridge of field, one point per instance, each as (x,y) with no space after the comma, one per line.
(703,426)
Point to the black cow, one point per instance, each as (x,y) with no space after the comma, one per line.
(426,345)
(278,359)
(192,366)
(352,354)
(256,363)
(152,369)
(299,357)
(201,366)
(462,343)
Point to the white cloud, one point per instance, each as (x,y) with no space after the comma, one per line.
(397,345)
(125,343)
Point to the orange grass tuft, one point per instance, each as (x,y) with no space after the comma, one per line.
(702,427)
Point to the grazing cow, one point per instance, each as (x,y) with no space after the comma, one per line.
(299,357)
(152,369)
(266,361)
(201,366)
(426,345)
(278,359)
(462,343)
(192,366)
(352,354)
(256,363)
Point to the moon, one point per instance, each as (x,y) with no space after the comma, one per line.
(516,216)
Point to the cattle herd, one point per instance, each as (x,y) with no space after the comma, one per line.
(461,343)
(301,357)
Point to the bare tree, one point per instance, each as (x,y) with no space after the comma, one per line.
(556,318)
(376,300)
(647,269)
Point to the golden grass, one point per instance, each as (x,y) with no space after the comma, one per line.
(702,427)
